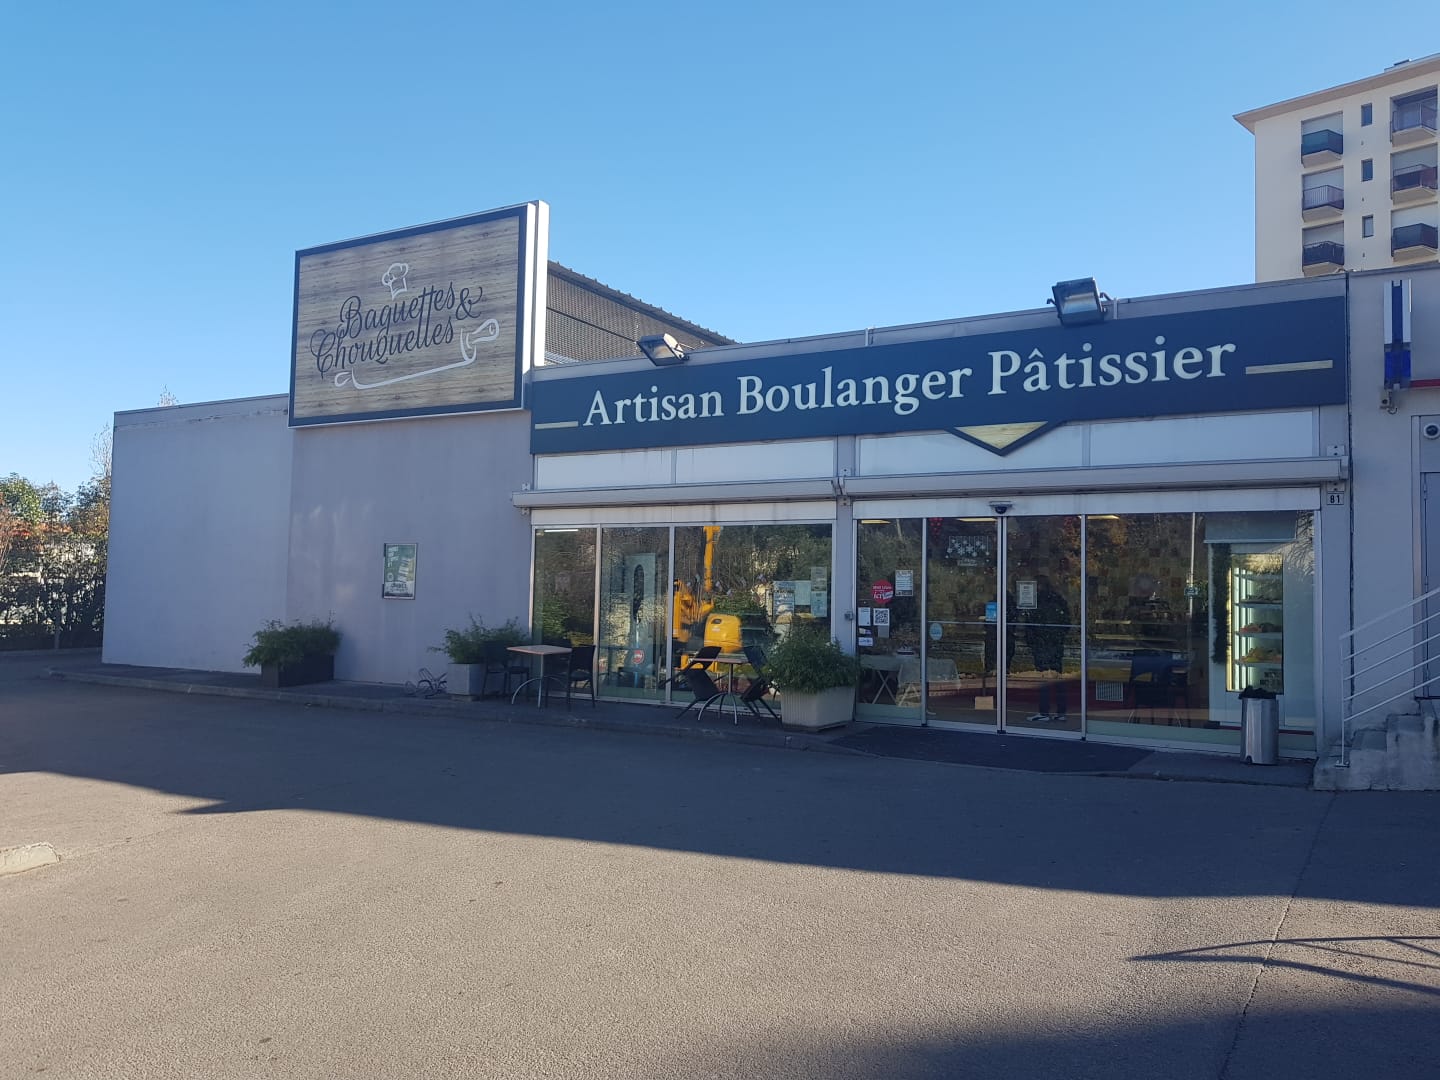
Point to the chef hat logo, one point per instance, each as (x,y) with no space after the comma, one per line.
(395,278)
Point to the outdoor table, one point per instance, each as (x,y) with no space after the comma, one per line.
(729,663)
(542,651)
(888,669)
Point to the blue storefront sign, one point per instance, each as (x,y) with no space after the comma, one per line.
(1259,356)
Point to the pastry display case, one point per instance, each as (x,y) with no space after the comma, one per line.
(1256,645)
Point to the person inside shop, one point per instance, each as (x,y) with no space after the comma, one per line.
(1045,633)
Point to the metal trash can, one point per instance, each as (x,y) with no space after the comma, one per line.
(1259,727)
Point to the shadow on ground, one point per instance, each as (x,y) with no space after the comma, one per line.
(1048,831)
(1288,1041)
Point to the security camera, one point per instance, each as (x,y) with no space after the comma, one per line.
(1002,507)
(1430,429)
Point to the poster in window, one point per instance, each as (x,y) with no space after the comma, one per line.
(399,572)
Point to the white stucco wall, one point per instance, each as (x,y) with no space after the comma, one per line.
(199,528)
(1388,452)
(443,483)
(1278,171)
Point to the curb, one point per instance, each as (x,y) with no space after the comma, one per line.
(55,653)
(781,740)
(15,860)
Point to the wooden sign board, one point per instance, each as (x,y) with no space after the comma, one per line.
(432,320)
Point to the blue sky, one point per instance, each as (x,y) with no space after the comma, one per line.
(765,170)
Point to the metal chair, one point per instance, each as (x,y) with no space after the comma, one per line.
(582,672)
(700,661)
(499,665)
(704,689)
(754,696)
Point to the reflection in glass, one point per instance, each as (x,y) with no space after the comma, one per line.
(630,655)
(961,663)
(737,588)
(1042,596)
(564,600)
(889,563)
(1149,595)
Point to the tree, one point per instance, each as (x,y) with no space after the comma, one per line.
(53,560)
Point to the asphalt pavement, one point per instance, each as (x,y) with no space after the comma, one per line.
(268,888)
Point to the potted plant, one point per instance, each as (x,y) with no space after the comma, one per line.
(473,652)
(294,654)
(815,677)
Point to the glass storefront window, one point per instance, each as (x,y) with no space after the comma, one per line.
(739,588)
(1187,610)
(888,581)
(1152,624)
(564,601)
(1150,602)
(631,655)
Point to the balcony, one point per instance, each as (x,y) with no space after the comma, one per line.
(1412,123)
(1323,258)
(1415,184)
(1411,242)
(1324,202)
(1318,147)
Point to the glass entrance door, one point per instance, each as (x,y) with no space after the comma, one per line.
(1043,685)
(962,622)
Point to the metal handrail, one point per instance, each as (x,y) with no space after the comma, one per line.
(1413,176)
(1411,686)
(1392,612)
(1407,671)
(1386,660)
(1381,641)
(1411,115)
(1323,251)
(1312,198)
(1387,701)
(1416,235)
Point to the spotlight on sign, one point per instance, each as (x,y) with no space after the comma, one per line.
(1078,302)
(662,349)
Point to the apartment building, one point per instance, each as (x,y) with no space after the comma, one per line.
(1345,178)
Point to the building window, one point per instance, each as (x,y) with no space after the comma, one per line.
(1367,225)
(1367,169)
(1367,116)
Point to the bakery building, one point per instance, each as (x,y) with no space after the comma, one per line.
(1099,519)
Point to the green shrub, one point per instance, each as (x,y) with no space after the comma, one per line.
(808,661)
(468,646)
(279,643)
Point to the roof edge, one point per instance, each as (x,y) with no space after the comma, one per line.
(1406,69)
(634,301)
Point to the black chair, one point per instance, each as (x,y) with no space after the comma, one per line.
(702,686)
(497,667)
(582,672)
(699,662)
(754,696)
(1155,684)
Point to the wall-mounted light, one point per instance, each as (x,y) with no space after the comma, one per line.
(662,349)
(1078,301)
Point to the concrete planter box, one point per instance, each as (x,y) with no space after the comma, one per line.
(816,712)
(312,669)
(465,681)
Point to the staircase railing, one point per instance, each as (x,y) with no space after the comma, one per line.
(1413,637)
